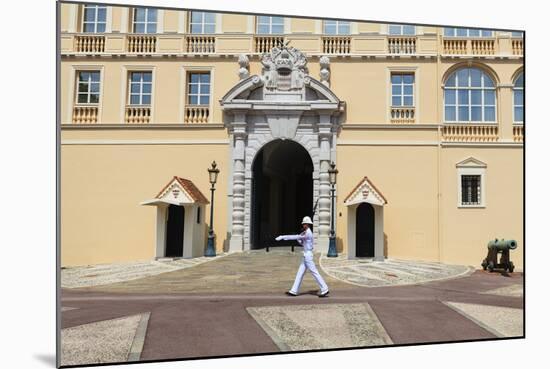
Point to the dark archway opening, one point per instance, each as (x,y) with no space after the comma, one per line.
(282,191)
(174,231)
(364,228)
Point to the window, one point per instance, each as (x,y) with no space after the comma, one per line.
(198,214)
(269,25)
(337,27)
(140,88)
(95,18)
(517,34)
(401,30)
(467,32)
(470,96)
(202,22)
(198,88)
(402,87)
(88,87)
(471,189)
(145,20)
(518,99)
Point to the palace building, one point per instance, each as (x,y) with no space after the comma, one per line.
(424,125)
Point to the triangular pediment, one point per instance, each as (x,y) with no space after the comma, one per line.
(365,191)
(179,191)
(471,162)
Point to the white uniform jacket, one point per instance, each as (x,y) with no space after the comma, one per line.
(305,239)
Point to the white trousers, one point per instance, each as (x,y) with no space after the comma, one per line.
(308,263)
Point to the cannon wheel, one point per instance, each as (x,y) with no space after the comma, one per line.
(491,266)
(511,267)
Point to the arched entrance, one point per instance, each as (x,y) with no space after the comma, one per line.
(282,191)
(364,228)
(174,231)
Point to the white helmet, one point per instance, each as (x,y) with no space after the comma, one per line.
(307,220)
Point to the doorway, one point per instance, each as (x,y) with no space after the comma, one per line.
(282,191)
(364,230)
(174,231)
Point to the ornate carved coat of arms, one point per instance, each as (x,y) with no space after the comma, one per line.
(284,69)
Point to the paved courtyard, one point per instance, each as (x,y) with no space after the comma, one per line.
(235,304)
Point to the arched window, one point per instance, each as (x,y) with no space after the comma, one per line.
(518,99)
(470,96)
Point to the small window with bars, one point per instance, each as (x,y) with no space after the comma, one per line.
(471,189)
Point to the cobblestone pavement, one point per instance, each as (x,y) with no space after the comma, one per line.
(246,272)
(235,305)
(369,273)
(101,274)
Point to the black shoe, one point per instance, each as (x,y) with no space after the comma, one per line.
(291,294)
(324,294)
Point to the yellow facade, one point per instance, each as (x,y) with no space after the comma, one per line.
(113,158)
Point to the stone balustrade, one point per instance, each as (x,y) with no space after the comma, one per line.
(196,114)
(264,44)
(137,114)
(141,44)
(469,46)
(517,46)
(482,47)
(470,132)
(402,114)
(518,132)
(200,44)
(455,47)
(89,43)
(85,114)
(336,45)
(402,45)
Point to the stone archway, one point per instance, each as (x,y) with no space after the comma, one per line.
(281,191)
(283,103)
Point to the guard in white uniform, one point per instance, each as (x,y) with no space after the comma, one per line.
(306,240)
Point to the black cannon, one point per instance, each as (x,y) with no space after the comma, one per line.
(502,247)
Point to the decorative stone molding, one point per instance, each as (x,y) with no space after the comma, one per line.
(243,67)
(284,102)
(365,191)
(324,73)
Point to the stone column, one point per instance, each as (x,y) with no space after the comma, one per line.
(237,227)
(325,135)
